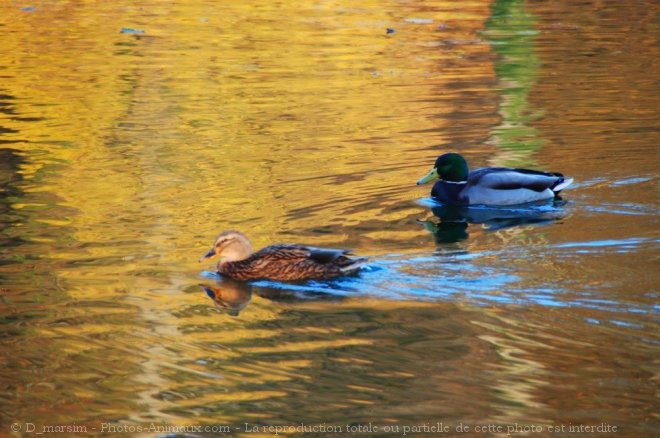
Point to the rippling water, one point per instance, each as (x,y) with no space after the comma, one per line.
(132,133)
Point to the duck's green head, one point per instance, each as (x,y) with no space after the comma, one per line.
(448,167)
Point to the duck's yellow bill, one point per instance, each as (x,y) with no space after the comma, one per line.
(433,174)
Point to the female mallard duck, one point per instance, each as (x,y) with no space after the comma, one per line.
(279,262)
(490,185)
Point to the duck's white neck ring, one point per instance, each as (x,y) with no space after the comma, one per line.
(453,182)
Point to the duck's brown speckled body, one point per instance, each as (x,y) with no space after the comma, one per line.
(279,262)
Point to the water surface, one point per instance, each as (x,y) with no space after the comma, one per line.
(125,153)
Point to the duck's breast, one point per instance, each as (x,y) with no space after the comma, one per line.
(449,193)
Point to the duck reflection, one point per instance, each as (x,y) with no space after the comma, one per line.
(231,296)
(454,220)
(447,230)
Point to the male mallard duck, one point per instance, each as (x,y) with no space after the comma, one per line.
(279,262)
(490,185)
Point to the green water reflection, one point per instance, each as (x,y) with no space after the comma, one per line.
(511,31)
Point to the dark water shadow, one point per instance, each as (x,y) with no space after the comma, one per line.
(455,220)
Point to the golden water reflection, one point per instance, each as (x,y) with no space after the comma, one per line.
(122,154)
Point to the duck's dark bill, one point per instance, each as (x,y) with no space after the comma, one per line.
(211,253)
(433,174)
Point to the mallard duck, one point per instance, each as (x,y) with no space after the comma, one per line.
(490,185)
(279,262)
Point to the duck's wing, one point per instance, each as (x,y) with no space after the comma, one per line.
(299,252)
(327,255)
(503,178)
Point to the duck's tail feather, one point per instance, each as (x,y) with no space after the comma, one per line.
(561,184)
(353,265)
